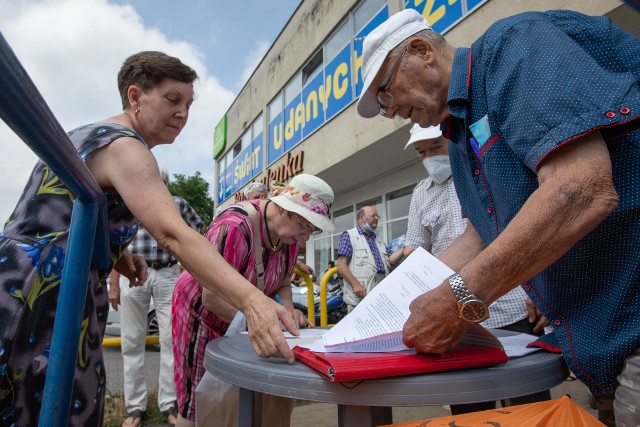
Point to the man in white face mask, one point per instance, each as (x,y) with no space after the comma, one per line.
(435,221)
(435,218)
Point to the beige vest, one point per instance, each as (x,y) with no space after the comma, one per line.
(363,265)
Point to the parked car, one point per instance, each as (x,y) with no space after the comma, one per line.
(113,324)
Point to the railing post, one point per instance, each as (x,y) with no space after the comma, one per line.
(66,330)
(24,110)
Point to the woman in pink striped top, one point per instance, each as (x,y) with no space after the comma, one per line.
(199,316)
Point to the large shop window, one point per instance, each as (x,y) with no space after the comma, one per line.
(313,68)
(337,41)
(365,11)
(397,210)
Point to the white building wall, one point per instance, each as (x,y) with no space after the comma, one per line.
(362,158)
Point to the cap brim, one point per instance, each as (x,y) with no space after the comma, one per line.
(368,106)
(423,134)
(320,221)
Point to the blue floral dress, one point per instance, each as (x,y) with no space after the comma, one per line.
(32,254)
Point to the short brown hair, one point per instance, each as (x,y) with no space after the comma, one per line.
(148,68)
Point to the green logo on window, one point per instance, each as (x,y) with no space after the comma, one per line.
(220,138)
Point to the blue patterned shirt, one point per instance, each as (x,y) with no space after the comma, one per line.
(532,83)
(345,248)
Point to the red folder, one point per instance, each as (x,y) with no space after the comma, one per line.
(340,367)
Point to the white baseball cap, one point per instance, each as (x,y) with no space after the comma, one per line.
(377,45)
(420,134)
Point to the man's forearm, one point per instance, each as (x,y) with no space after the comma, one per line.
(465,248)
(343,269)
(351,279)
(576,194)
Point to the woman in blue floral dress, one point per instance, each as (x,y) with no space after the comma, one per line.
(156,92)
(32,254)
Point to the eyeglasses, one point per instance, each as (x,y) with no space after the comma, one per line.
(385,99)
(310,229)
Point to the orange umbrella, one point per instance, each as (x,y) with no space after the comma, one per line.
(561,412)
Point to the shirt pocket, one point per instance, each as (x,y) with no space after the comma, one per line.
(360,257)
(430,219)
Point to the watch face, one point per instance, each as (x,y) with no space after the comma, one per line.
(474,312)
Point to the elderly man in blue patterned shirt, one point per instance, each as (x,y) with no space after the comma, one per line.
(542,114)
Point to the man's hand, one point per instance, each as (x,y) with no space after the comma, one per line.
(133,267)
(359,290)
(264,317)
(536,316)
(434,325)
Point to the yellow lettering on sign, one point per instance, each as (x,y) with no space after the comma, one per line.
(357,64)
(288,127)
(299,121)
(312,105)
(255,157)
(242,169)
(432,16)
(325,92)
(340,89)
(277,136)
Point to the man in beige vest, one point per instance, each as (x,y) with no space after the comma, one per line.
(363,258)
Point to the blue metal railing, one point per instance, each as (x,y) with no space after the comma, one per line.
(24,110)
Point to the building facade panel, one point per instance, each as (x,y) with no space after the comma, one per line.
(297,111)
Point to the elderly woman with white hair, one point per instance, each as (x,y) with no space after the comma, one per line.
(270,231)
(256,190)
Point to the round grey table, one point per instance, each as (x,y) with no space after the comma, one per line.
(369,402)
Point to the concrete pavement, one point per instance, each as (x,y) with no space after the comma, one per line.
(115,377)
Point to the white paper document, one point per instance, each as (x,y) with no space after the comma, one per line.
(516,345)
(375,325)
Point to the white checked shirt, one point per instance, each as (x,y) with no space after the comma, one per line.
(435,221)
(435,216)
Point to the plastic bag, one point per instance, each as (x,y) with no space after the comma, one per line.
(237,325)
(217,401)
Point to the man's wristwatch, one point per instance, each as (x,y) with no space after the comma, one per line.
(470,307)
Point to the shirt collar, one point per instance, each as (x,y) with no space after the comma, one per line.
(362,231)
(460,82)
(458,96)
(428,182)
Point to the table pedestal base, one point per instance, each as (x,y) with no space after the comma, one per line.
(351,415)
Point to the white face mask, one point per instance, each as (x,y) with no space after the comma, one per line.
(438,168)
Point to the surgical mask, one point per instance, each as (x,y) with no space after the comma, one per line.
(438,168)
(369,228)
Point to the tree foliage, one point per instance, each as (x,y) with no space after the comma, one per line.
(195,190)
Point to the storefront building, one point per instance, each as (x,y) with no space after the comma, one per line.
(297,112)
